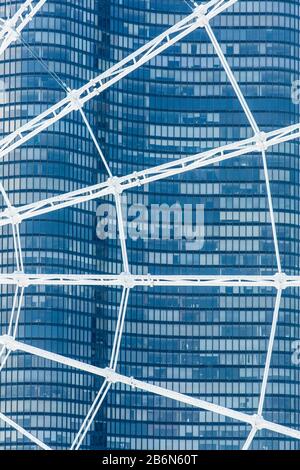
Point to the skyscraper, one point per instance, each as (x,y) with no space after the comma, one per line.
(38,394)
(209,342)
(206,342)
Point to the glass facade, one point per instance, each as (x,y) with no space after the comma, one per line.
(206,342)
(47,399)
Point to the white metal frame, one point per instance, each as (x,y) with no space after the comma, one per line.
(11,28)
(21,279)
(260,142)
(113,185)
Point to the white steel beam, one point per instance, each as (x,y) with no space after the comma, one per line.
(250,438)
(15,232)
(4,195)
(113,377)
(11,28)
(254,429)
(258,134)
(19,290)
(13,323)
(119,329)
(277,281)
(119,184)
(156,173)
(121,228)
(99,399)
(232,78)
(271,211)
(255,129)
(88,420)
(269,353)
(23,431)
(77,98)
(96,143)
(17,247)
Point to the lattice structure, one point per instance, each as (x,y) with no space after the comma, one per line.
(74,101)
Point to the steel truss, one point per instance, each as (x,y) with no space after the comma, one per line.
(111,376)
(116,185)
(75,100)
(11,28)
(277,281)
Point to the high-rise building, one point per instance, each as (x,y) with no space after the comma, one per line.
(207,342)
(46,398)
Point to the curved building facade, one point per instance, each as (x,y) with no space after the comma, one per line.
(48,399)
(207,342)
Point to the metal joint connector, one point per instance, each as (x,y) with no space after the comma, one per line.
(8,342)
(280,281)
(127,280)
(21,279)
(14,215)
(202,21)
(115,185)
(201,11)
(258,423)
(261,141)
(110,375)
(74,97)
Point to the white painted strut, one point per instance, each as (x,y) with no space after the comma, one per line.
(121,227)
(232,79)
(244,147)
(96,143)
(23,431)
(15,232)
(99,399)
(255,128)
(254,430)
(250,438)
(11,28)
(269,353)
(260,137)
(88,420)
(13,323)
(277,281)
(113,377)
(77,98)
(19,291)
